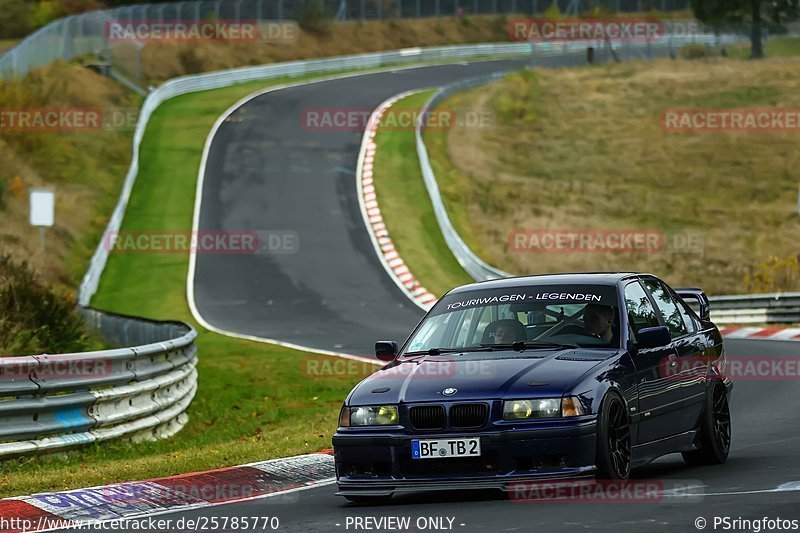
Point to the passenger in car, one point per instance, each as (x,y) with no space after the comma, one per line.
(506,331)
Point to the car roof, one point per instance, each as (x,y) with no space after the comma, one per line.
(571,278)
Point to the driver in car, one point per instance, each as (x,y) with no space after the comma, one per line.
(599,321)
(504,334)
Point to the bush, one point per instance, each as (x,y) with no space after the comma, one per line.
(697,51)
(45,11)
(15,19)
(552,12)
(315,19)
(775,275)
(33,318)
(2,193)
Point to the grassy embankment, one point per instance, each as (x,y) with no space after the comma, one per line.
(254,401)
(585,149)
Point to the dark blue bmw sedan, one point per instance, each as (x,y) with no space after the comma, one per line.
(539,377)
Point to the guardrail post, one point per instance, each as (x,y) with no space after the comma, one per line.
(65,39)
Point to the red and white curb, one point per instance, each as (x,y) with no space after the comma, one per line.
(142,499)
(387,253)
(772,334)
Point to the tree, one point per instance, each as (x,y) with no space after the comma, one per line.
(726,13)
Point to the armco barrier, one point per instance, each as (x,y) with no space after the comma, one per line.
(215,80)
(776,308)
(469,261)
(745,309)
(86,34)
(54,402)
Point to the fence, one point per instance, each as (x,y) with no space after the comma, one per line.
(85,34)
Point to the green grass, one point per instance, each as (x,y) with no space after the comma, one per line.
(406,207)
(774,47)
(255,401)
(585,149)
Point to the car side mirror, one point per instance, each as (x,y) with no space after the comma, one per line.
(702,305)
(386,350)
(653,337)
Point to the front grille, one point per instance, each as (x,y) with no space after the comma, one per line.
(427,417)
(468,415)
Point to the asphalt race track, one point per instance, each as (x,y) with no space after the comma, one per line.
(265,171)
(764,456)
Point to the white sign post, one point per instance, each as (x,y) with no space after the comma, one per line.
(43,204)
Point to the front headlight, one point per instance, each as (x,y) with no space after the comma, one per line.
(542,408)
(372,415)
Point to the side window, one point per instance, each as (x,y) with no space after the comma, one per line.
(691,323)
(666,305)
(467,323)
(640,311)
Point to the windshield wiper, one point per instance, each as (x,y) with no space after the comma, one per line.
(439,351)
(521,346)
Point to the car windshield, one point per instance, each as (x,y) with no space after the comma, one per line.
(543,316)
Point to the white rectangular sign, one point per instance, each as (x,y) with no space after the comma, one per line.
(43,204)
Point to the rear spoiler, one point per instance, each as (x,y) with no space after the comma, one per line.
(700,296)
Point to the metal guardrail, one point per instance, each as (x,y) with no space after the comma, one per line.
(56,402)
(469,261)
(85,34)
(775,308)
(215,80)
(745,309)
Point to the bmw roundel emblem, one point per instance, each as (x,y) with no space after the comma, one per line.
(449,391)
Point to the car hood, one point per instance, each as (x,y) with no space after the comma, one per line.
(478,375)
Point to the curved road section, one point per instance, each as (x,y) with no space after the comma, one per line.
(270,170)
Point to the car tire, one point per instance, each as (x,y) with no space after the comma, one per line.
(715,430)
(613,456)
(370,500)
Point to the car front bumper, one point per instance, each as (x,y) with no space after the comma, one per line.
(374,464)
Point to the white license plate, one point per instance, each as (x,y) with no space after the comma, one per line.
(437,449)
